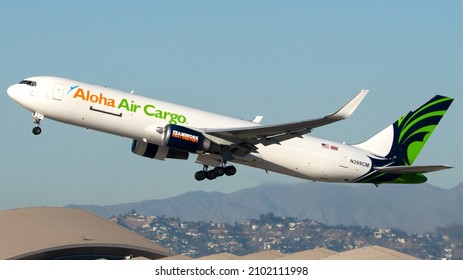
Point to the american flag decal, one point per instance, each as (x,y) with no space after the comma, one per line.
(329,147)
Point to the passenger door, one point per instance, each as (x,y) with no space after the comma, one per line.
(58,92)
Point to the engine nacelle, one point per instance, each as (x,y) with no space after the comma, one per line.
(149,150)
(186,139)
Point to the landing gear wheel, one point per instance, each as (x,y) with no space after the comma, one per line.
(200,175)
(215,172)
(211,175)
(36,130)
(230,170)
(219,171)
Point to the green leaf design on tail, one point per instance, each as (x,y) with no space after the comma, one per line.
(412,131)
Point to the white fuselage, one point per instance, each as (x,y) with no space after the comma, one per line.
(137,117)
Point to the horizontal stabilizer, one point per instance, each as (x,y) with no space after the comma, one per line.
(403,169)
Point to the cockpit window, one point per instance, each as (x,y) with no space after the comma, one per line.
(28,82)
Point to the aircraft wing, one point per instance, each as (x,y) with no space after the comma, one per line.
(274,134)
(411,169)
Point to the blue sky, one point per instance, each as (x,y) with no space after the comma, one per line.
(285,60)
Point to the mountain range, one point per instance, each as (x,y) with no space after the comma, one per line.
(413,208)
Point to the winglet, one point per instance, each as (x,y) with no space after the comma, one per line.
(347,110)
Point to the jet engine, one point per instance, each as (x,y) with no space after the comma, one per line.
(149,150)
(186,139)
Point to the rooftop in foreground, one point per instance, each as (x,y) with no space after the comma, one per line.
(69,233)
(364,253)
(66,233)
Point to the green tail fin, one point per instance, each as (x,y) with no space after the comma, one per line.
(403,140)
(412,131)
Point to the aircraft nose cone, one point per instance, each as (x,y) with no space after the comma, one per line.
(12,91)
(18,93)
(22,95)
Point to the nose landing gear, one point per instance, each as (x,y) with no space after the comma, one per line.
(36,130)
(215,172)
(36,118)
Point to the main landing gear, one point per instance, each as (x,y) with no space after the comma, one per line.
(37,117)
(215,172)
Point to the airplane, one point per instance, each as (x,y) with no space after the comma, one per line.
(161,130)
